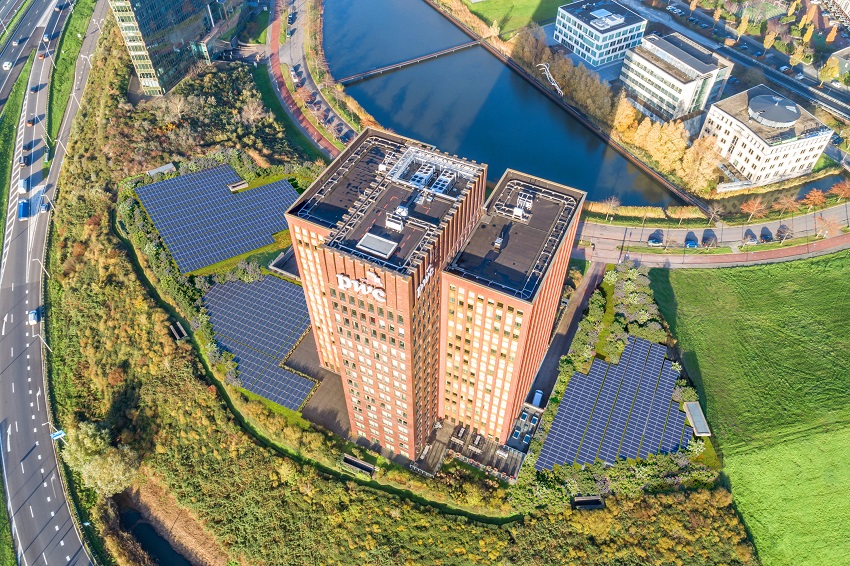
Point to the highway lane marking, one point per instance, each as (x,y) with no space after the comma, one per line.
(31,513)
(3,332)
(9,438)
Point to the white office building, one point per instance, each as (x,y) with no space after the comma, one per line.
(766,137)
(671,77)
(598,32)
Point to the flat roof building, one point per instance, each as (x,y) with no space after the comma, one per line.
(598,32)
(378,236)
(673,76)
(764,136)
(501,293)
(165,38)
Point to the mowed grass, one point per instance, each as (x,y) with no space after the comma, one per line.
(794,499)
(511,15)
(767,348)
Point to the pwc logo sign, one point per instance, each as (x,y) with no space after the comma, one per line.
(371,285)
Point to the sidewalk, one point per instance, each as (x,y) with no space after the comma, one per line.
(278,10)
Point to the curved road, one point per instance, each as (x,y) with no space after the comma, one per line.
(42,525)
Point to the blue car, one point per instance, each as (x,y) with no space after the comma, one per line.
(691,244)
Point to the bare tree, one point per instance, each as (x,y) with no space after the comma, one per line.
(253,112)
(754,207)
(611,203)
(715,211)
(826,226)
(177,107)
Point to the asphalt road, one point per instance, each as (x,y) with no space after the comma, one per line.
(42,526)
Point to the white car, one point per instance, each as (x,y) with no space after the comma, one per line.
(7,65)
(32,318)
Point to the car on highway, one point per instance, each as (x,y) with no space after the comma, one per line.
(30,121)
(744,47)
(32,317)
(7,65)
(800,76)
(23,209)
(758,53)
(703,26)
(45,205)
(784,69)
(16,42)
(45,38)
(33,89)
(654,242)
(691,244)
(41,56)
(22,161)
(23,186)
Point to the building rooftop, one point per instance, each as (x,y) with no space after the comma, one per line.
(769,115)
(604,16)
(386,198)
(522,228)
(679,56)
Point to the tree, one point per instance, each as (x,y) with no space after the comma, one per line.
(693,6)
(494,29)
(104,468)
(797,56)
(715,210)
(807,37)
(699,165)
(829,71)
(253,112)
(826,226)
(671,146)
(814,199)
(717,13)
(754,207)
(742,27)
(625,115)
(841,190)
(786,203)
(830,37)
(611,203)
(769,39)
(792,8)
(642,132)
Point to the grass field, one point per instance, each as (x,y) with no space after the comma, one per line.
(255,29)
(65,59)
(767,348)
(513,14)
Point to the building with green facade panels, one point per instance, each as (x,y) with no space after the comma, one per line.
(166,38)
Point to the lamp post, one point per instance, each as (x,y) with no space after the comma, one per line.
(43,342)
(39,261)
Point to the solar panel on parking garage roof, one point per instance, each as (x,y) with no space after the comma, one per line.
(260,323)
(618,411)
(202,222)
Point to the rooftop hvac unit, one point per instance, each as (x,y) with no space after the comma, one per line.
(394,222)
(382,167)
(422,176)
(402,210)
(519,212)
(525,200)
(497,245)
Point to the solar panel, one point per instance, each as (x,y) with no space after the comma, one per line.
(619,416)
(602,410)
(260,323)
(202,222)
(658,414)
(673,431)
(615,412)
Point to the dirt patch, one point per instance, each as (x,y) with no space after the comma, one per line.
(177,525)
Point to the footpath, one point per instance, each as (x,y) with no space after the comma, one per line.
(277,9)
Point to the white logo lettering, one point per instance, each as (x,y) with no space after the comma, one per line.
(361,286)
(428,273)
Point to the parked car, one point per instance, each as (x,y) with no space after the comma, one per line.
(45,205)
(654,242)
(800,76)
(766,238)
(784,68)
(758,53)
(703,26)
(750,241)
(691,244)
(744,47)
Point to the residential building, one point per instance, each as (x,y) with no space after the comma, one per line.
(671,77)
(392,241)
(842,57)
(764,136)
(500,297)
(165,37)
(598,32)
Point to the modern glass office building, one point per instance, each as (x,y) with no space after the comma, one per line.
(166,37)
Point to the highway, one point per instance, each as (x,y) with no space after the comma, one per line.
(42,525)
(40,18)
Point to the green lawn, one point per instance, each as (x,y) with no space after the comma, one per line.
(767,348)
(255,29)
(65,58)
(513,14)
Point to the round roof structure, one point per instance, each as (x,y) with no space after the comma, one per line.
(773,111)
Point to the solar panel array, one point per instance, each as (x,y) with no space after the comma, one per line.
(260,323)
(617,411)
(202,222)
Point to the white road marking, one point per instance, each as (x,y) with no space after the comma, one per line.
(9,439)
(31,513)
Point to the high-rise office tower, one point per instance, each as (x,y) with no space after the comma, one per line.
(166,37)
(420,294)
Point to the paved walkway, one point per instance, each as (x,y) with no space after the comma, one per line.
(294,47)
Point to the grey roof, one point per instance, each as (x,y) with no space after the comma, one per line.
(530,217)
(773,111)
(592,14)
(738,106)
(697,418)
(687,53)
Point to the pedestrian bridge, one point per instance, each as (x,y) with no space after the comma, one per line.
(366,74)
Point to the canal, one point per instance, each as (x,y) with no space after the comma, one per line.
(468,103)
